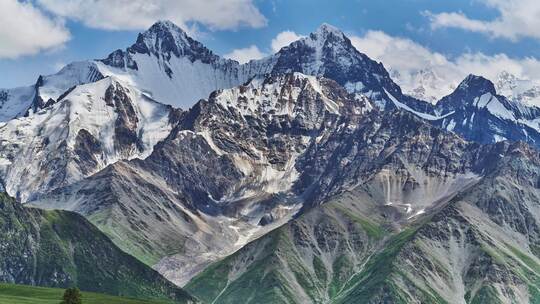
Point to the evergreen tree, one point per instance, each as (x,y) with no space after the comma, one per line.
(72,296)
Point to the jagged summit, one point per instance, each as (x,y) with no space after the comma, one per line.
(165,25)
(328,36)
(466,94)
(477,112)
(325,30)
(478,84)
(164,38)
(166,31)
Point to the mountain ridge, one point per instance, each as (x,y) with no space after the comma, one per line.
(313,152)
(165,48)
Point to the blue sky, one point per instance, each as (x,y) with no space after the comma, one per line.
(450,28)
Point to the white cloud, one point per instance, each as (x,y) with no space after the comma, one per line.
(140,14)
(383,47)
(412,64)
(57,66)
(517,19)
(491,66)
(25,30)
(246,54)
(283,39)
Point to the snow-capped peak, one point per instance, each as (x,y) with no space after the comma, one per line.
(327,35)
(325,29)
(506,80)
(163,37)
(165,25)
(477,84)
(424,84)
(523,91)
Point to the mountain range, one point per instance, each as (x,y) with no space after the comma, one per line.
(308,176)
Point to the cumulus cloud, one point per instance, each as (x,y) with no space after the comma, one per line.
(383,47)
(140,14)
(253,52)
(246,54)
(26,30)
(283,39)
(412,64)
(517,19)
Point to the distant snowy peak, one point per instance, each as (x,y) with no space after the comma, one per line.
(475,89)
(475,92)
(47,90)
(476,84)
(424,84)
(15,102)
(51,88)
(476,112)
(506,82)
(520,90)
(470,88)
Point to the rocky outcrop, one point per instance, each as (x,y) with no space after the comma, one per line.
(352,249)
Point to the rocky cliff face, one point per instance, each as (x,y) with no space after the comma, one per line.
(481,247)
(228,167)
(475,244)
(248,159)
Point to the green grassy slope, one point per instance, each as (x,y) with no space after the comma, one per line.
(23,294)
(62,249)
(309,260)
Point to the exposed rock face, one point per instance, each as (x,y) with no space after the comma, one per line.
(396,152)
(355,248)
(229,162)
(62,249)
(470,252)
